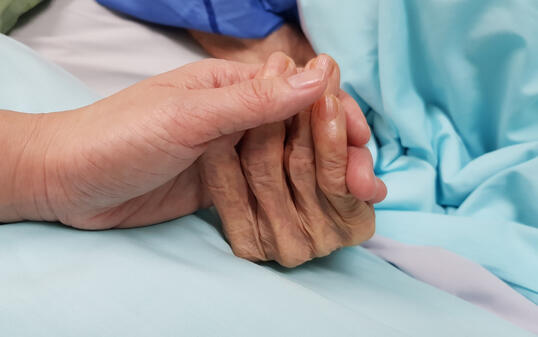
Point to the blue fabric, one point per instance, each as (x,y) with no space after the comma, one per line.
(450,89)
(181,279)
(239,18)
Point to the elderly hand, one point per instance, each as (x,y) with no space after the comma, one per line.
(166,147)
(283,195)
(131,159)
(288,39)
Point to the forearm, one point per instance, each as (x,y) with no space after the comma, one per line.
(23,140)
(288,39)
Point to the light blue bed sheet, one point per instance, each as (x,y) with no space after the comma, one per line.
(450,89)
(181,278)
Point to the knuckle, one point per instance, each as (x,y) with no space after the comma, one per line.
(353,221)
(332,175)
(295,255)
(243,241)
(293,260)
(247,254)
(263,170)
(221,72)
(333,165)
(181,124)
(363,228)
(224,73)
(300,161)
(286,245)
(215,186)
(257,96)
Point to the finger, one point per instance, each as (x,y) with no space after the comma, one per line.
(244,225)
(207,74)
(330,70)
(381,191)
(301,170)
(261,159)
(330,143)
(228,189)
(353,218)
(261,153)
(222,176)
(207,114)
(360,177)
(358,131)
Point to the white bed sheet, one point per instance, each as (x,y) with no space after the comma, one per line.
(105,50)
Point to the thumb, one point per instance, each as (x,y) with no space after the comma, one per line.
(226,110)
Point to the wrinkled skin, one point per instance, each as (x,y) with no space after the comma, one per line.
(131,159)
(293,193)
(287,39)
(212,132)
(284,194)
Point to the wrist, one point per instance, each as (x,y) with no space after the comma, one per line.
(24,170)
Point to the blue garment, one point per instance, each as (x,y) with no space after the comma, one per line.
(450,89)
(180,278)
(239,18)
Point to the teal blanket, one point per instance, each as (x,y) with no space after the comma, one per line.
(181,279)
(450,89)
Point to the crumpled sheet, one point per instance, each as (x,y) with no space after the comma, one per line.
(108,59)
(450,89)
(181,278)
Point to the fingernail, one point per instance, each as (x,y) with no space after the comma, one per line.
(322,62)
(306,79)
(277,64)
(325,63)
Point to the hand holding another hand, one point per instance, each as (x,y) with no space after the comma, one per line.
(211,132)
(283,194)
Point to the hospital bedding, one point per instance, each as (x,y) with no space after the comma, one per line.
(451,91)
(49,41)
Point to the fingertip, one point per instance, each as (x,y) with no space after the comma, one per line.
(330,70)
(278,64)
(360,176)
(381,191)
(358,132)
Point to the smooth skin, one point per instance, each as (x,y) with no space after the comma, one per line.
(136,158)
